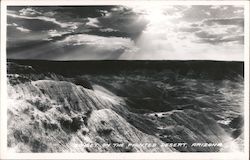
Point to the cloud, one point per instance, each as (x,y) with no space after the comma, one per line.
(108,30)
(198,13)
(55,34)
(84,11)
(239,39)
(93,22)
(29,12)
(52,21)
(218,40)
(42,19)
(110,20)
(12,24)
(33,23)
(223,30)
(204,34)
(225,21)
(124,20)
(20,28)
(99,42)
(23,29)
(80,46)
(126,32)
(189,29)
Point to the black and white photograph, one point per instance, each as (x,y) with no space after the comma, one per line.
(119,78)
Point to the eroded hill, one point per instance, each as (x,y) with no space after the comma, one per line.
(51,109)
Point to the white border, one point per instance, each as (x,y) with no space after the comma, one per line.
(4,154)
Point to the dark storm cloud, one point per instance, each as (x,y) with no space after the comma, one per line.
(99,20)
(124,20)
(48,29)
(33,24)
(104,33)
(225,21)
(73,12)
(84,12)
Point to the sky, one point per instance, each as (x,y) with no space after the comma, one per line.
(145,32)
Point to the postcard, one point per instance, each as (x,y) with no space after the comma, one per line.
(124,79)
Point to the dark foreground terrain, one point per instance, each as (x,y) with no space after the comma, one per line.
(125,106)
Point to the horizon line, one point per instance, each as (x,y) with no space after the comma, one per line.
(9,59)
